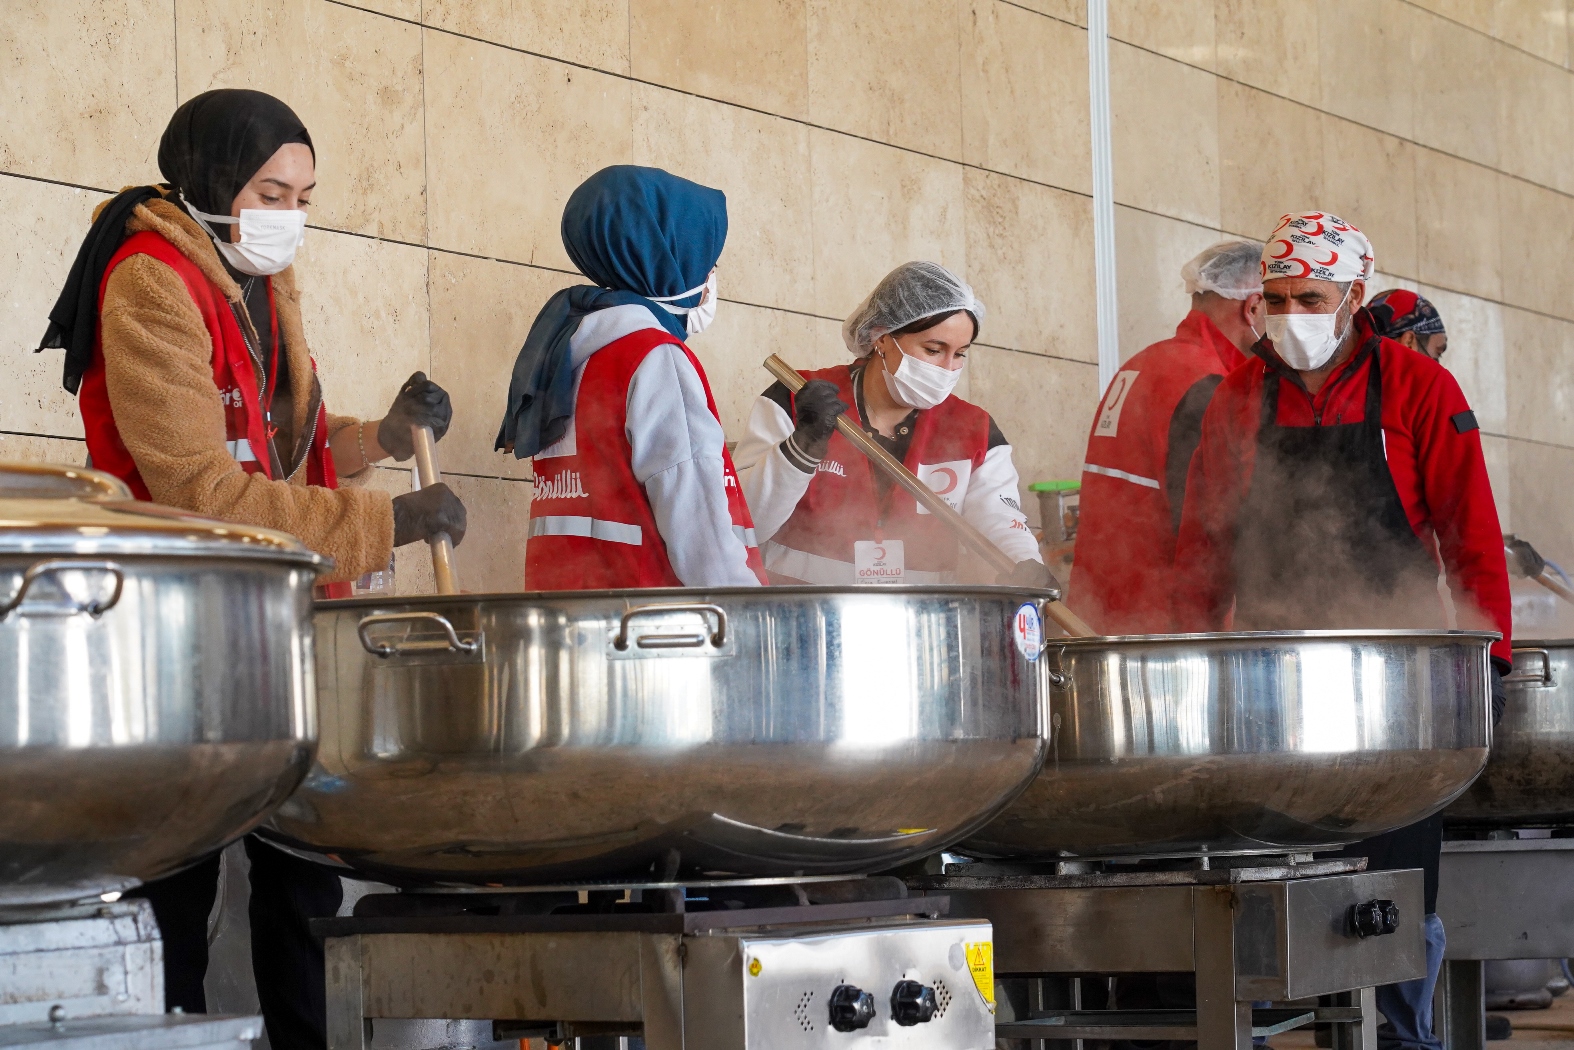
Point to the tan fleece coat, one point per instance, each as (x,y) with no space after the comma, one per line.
(158,365)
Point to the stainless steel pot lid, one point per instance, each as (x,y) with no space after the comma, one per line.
(50,509)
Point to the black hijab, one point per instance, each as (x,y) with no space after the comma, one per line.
(213,146)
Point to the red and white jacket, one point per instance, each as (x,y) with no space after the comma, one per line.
(1134,477)
(1433,448)
(808,522)
(640,492)
(246,429)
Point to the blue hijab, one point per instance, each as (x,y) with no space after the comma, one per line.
(636,232)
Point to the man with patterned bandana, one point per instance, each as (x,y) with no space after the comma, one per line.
(1338,472)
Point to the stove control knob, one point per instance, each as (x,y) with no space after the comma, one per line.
(912,1003)
(852,1008)
(1374,918)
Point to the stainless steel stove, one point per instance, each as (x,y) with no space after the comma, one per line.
(91,977)
(756,965)
(1500,897)
(1274,943)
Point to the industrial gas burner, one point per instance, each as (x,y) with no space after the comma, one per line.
(1275,943)
(726,965)
(91,977)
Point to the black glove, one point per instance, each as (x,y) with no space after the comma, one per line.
(1522,558)
(817,407)
(421,403)
(422,515)
(1030,573)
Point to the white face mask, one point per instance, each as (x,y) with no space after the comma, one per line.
(268,238)
(919,384)
(1306,342)
(696,318)
(702,315)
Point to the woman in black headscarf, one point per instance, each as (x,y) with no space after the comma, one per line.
(182,330)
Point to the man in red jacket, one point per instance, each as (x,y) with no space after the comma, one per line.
(1338,472)
(1143,437)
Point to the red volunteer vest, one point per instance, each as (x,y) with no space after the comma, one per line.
(843,505)
(234,376)
(591,523)
(1120,578)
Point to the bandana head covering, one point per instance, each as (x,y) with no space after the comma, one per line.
(218,140)
(641,234)
(1317,245)
(1398,311)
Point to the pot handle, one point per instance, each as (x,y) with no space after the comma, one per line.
(452,642)
(690,640)
(1545,675)
(36,572)
(1058,679)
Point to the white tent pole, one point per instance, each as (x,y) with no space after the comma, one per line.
(1103,192)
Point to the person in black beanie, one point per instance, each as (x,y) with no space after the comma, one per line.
(181,326)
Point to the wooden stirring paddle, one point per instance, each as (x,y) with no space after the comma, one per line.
(965,530)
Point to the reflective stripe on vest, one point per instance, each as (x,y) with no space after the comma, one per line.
(814,568)
(1111,472)
(591,528)
(241,451)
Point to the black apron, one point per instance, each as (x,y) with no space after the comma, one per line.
(1324,542)
(1323,539)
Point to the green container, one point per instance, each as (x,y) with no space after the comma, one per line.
(1059,509)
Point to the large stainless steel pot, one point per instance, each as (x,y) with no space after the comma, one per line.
(535,737)
(155,683)
(1529,779)
(1248,743)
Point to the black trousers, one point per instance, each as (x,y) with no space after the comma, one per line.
(286,960)
(1419,845)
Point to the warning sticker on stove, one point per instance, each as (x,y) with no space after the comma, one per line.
(981,964)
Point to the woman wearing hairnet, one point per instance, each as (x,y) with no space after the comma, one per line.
(822,512)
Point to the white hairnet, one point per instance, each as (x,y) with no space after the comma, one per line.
(911,292)
(1230,268)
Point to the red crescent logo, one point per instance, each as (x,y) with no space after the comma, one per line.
(950,485)
(1306,268)
(1313,233)
(879,552)
(1288,249)
(1333,257)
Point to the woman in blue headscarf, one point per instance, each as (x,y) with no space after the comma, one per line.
(634,486)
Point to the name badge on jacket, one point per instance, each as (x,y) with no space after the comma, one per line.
(878,561)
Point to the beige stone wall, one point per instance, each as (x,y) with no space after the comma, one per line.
(849,135)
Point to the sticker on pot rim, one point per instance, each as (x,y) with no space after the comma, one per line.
(1028,630)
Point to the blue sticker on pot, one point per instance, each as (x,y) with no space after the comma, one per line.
(1028,630)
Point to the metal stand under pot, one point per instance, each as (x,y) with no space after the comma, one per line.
(91,977)
(1500,898)
(1263,930)
(1501,895)
(723,965)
